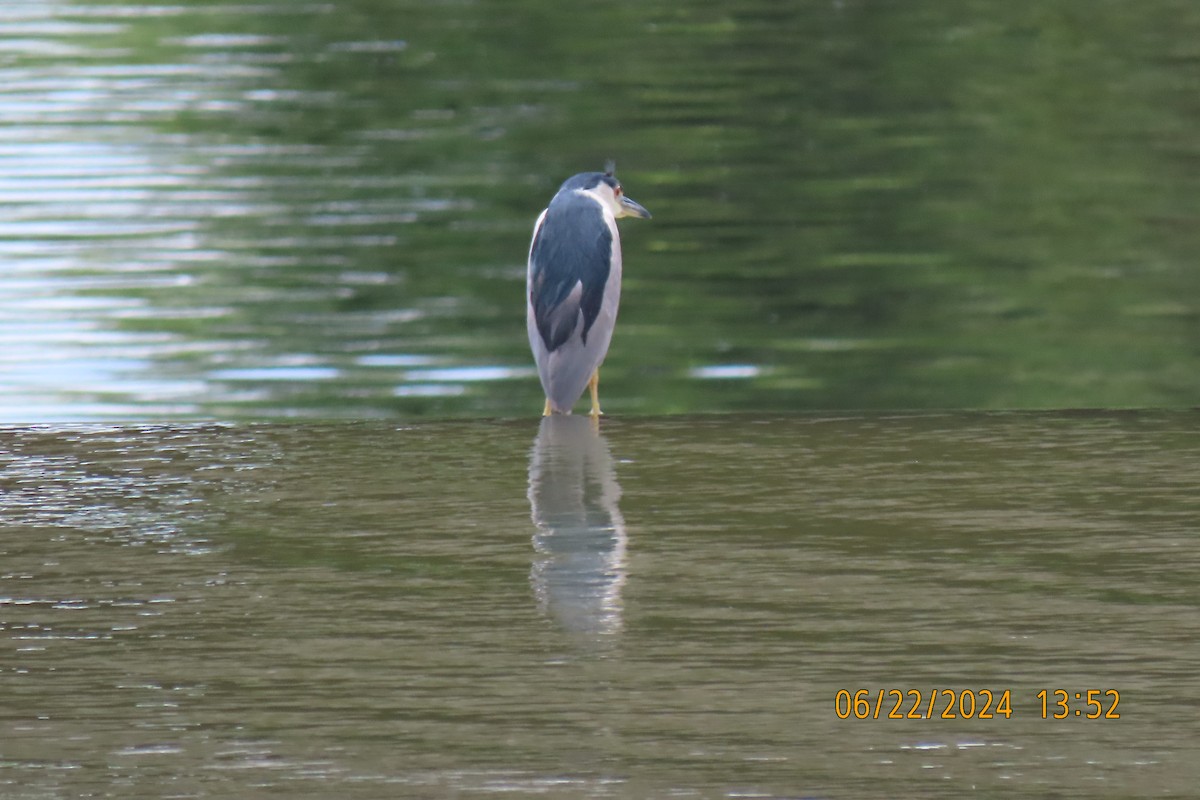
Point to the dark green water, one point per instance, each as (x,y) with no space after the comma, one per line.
(281,209)
(661,609)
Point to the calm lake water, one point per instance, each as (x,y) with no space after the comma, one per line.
(277,515)
(663,608)
(284,209)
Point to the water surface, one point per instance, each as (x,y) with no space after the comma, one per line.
(659,609)
(279,209)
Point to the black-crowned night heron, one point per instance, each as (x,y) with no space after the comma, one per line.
(574,285)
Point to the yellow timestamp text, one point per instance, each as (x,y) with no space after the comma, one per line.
(971,704)
(923,704)
(1089,704)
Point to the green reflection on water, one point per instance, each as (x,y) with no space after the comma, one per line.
(867,205)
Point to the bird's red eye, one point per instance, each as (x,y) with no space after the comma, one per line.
(617,191)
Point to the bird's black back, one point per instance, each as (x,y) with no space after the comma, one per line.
(572,246)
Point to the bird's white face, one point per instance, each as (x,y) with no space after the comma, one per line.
(614,199)
(607,197)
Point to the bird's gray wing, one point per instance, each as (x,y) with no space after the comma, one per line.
(570,261)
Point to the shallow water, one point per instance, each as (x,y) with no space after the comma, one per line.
(666,608)
(277,210)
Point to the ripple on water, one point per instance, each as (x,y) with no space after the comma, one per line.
(111,225)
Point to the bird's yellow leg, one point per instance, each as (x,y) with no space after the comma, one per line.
(546,411)
(594,386)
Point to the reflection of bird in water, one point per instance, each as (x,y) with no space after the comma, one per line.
(580,541)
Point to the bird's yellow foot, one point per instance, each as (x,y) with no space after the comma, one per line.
(594,386)
(546,411)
